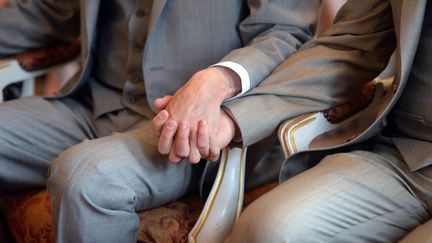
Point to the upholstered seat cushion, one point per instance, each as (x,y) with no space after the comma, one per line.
(27,217)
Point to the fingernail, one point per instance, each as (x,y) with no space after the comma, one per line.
(203,122)
(184,126)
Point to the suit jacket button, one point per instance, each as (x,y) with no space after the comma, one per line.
(135,79)
(140,13)
(130,99)
(138,47)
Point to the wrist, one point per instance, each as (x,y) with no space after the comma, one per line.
(230,80)
(235,133)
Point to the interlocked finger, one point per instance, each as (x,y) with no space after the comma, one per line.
(181,140)
(203,139)
(166,138)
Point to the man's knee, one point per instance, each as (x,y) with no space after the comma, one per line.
(87,173)
(268,221)
(330,200)
(297,210)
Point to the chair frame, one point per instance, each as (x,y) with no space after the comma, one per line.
(11,72)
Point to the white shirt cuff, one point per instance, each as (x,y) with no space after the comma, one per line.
(241,72)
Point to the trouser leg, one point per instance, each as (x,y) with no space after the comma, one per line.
(348,197)
(33,131)
(96,186)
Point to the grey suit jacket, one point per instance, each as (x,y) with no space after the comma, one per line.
(329,70)
(184,35)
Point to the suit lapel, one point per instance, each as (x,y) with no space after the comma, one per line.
(90,12)
(158,6)
(408,17)
(89,15)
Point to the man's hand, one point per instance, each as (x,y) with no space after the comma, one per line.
(199,99)
(4,3)
(226,132)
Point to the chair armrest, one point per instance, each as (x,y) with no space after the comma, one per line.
(334,127)
(11,72)
(224,204)
(44,58)
(25,67)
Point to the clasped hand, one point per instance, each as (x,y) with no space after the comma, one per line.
(191,123)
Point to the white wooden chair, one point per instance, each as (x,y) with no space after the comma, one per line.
(316,131)
(11,72)
(26,67)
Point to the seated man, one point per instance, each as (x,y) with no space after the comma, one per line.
(93,144)
(379,189)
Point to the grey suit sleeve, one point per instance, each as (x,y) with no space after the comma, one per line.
(325,72)
(37,23)
(273,31)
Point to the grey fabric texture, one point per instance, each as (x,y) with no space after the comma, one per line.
(329,71)
(106,165)
(381,190)
(360,196)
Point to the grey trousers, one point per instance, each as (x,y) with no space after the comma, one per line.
(98,171)
(360,196)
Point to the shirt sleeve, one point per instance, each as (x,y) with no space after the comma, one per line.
(241,72)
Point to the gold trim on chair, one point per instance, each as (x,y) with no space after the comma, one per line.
(224,204)
(284,129)
(207,210)
(241,183)
(337,126)
(4,64)
(294,130)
